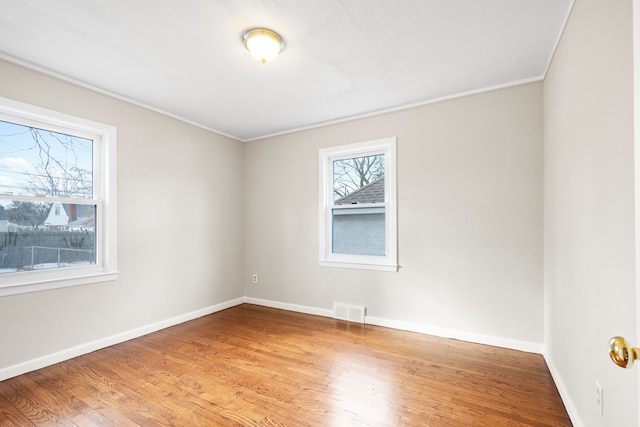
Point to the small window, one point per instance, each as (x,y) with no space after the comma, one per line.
(358,206)
(57,199)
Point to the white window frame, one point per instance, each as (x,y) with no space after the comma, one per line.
(104,198)
(388,262)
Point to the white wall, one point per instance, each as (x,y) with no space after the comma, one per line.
(469,219)
(589,211)
(179,186)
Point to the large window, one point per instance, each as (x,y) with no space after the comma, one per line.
(358,206)
(57,199)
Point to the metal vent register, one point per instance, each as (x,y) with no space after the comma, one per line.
(351,313)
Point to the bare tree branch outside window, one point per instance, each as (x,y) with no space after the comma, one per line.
(352,174)
(59,176)
(44,163)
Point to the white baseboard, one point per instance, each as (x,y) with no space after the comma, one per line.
(576,420)
(512,344)
(60,356)
(41,362)
(527,346)
(324,312)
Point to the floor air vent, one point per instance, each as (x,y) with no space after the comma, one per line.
(351,313)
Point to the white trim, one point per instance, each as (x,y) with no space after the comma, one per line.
(326,157)
(61,282)
(636,172)
(104,167)
(359,209)
(557,43)
(358,266)
(400,108)
(111,94)
(269,135)
(565,396)
(69,353)
(526,346)
(290,307)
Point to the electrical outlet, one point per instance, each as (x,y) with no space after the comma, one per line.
(599,398)
(254,279)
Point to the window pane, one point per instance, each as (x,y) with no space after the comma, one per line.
(38,235)
(359,231)
(45,163)
(358,180)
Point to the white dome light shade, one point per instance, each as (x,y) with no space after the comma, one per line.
(264,45)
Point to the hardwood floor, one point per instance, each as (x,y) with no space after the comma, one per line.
(256,366)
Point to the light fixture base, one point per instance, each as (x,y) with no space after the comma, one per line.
(263,44)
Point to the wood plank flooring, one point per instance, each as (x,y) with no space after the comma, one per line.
(256,366)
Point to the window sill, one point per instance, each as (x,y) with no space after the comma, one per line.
(359,266)
(56,283)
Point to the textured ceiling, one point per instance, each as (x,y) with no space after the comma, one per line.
(343,58)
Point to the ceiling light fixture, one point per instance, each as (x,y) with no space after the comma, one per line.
(264,45)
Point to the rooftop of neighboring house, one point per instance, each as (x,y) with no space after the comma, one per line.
(370,193)
(81,210)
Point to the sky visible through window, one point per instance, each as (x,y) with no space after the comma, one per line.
(44,163)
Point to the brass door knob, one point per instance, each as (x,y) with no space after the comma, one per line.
(622,353)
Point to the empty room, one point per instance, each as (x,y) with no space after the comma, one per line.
(319,213)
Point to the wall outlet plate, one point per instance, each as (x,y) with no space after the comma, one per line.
(599,398)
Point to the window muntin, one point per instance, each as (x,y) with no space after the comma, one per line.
(57,199)
(357,206)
